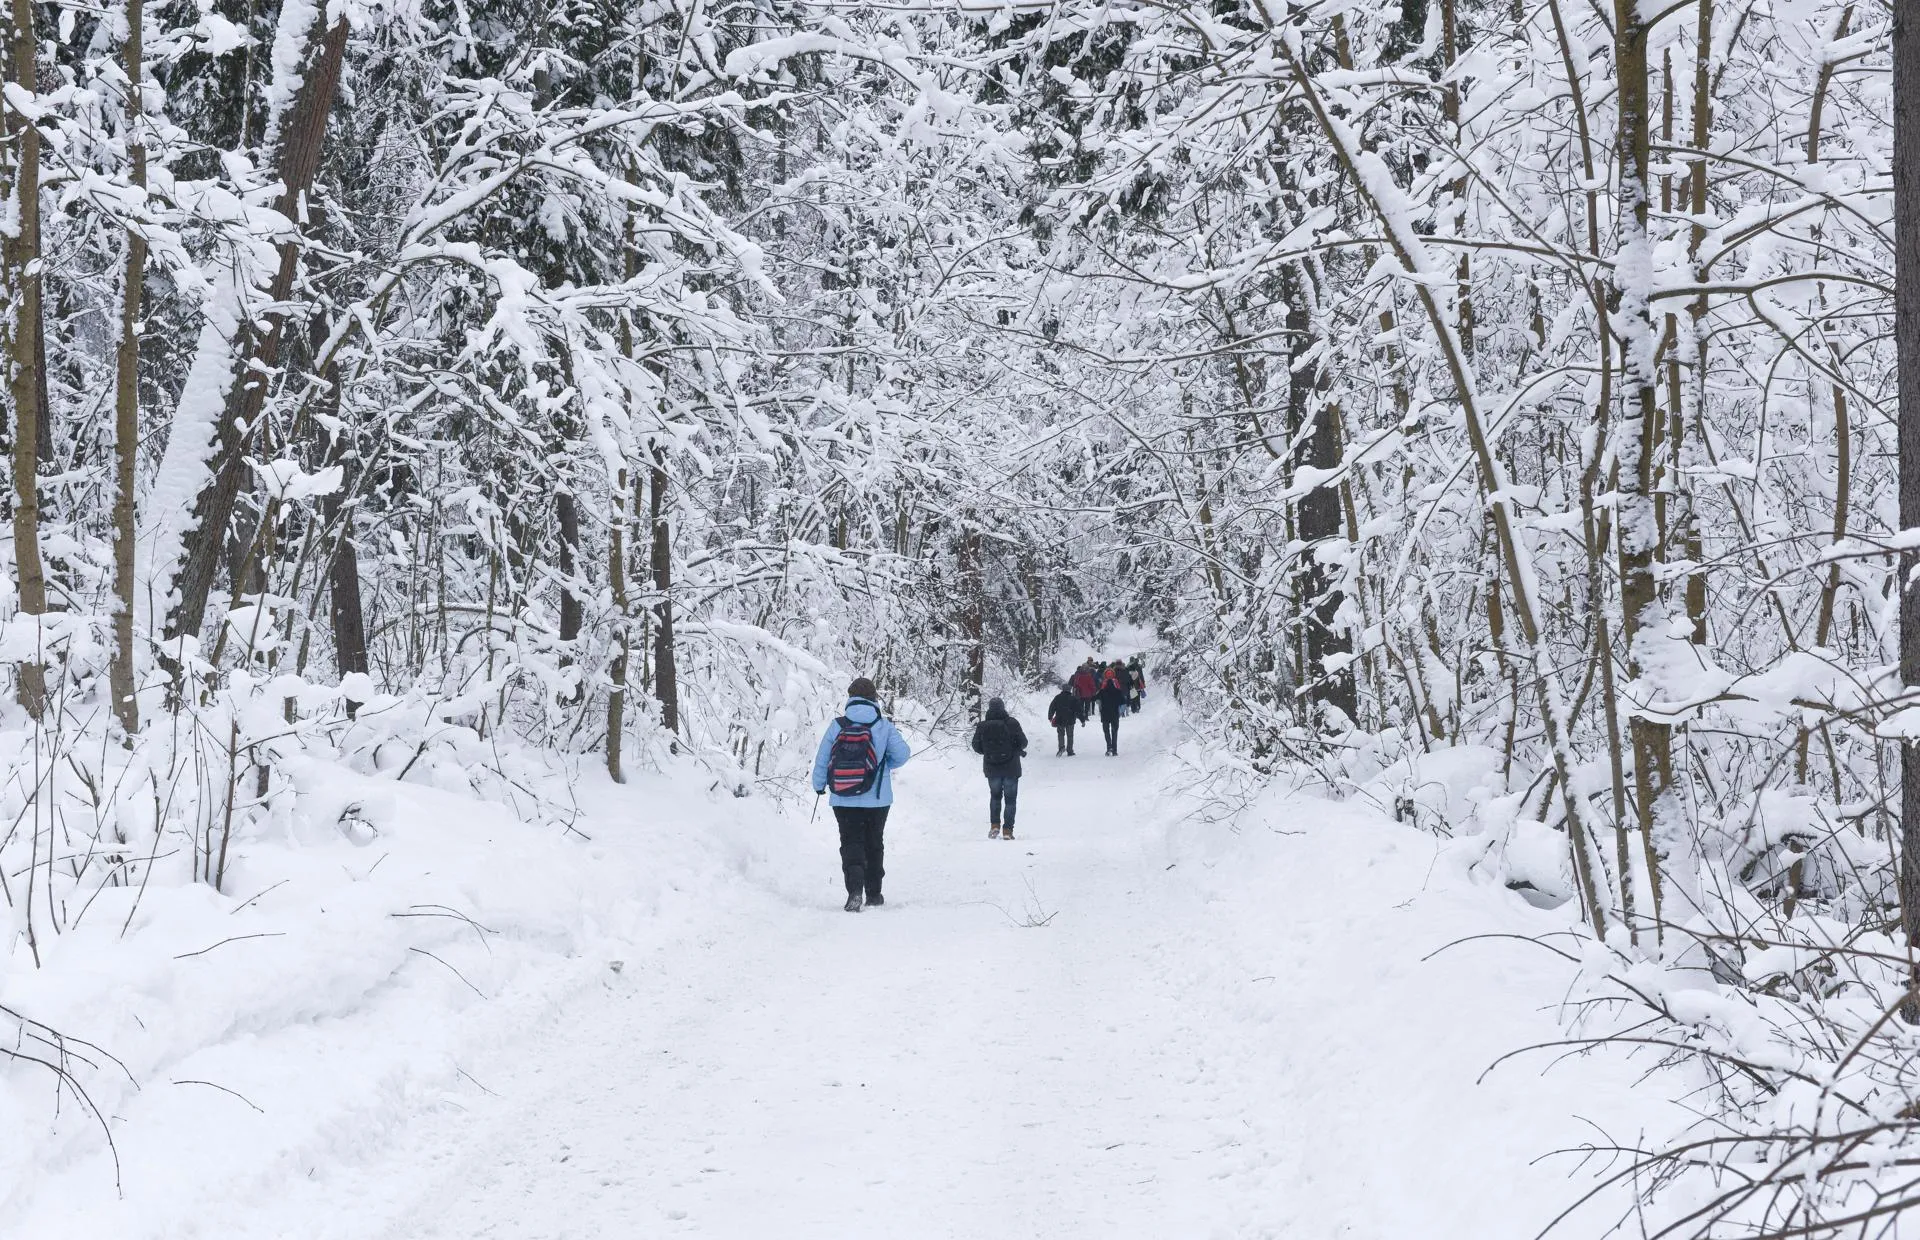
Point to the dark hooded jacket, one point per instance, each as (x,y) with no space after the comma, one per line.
(987,729)
(1064,710)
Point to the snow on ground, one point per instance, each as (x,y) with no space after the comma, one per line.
(1122,1024)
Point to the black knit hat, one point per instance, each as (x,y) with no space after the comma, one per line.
(863,688)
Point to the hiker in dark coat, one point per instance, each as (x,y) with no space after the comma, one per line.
(1001,743)
(860,776)
(1138,672)
(1064,714)
(1113,700)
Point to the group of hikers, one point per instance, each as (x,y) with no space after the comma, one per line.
(862,748)
(1111,688)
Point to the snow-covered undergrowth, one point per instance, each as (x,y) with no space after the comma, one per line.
(198,1001)
(1770,995)
(1392,970)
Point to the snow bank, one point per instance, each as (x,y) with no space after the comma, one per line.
(1350,956)
(383,934)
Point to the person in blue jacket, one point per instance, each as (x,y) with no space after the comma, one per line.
(856,760)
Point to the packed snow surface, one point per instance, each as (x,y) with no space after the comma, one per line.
(1127,1022)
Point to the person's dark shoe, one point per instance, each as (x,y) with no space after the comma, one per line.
(993,832)
(853,902)
(1006,833)
(875,900)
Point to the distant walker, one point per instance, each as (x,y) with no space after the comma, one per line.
(1001,742)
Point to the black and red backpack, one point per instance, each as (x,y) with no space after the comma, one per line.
(854,763)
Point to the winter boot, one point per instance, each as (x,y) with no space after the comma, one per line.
(853,902)
(993,832)
(1007,833)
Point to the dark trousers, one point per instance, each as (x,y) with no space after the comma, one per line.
(1002,788)
(861,846)
(1086,709)
(1065,734)
(1110,728)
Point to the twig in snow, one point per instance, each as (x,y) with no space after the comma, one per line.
(283,882)
(449,968)
(265,934)
(454,914)
(223,1089)
(476,1084)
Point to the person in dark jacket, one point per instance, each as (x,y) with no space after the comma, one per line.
(1113,700)
(1138,671)
(1001,743)
(862,814)
(1064,714)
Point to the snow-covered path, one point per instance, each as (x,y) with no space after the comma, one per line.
(1190,1045)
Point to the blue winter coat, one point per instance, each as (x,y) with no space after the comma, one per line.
(887,742)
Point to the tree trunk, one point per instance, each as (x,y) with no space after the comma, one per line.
(1906,295)
(1692,541)
(617,668)
(343,589)
(344,608)
(126,400)
(1319,520)
(1450,41)
(1643,620)
(973,619)
(300,151)
(566,513)
(666,680)
(22,324)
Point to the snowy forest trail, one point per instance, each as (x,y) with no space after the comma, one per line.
(1084,1032)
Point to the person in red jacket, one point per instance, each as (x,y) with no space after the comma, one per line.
(1086,686)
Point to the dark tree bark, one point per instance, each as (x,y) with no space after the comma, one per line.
(126,401)
(1906,298)
(973,606)
(666,679)
(567,515)
(567,512)
(344,609)
(1319,520)
(617,666)
(343,587)
(300,151)
(1642,608)
(24,350)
